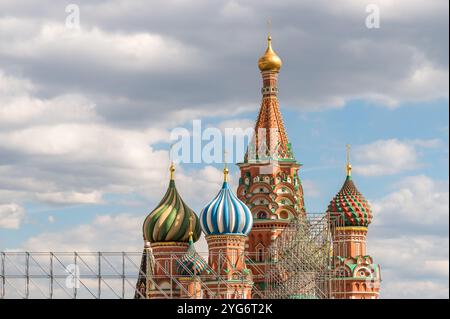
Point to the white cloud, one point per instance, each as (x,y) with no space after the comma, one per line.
(67,153)
(416,200)
(12,86)
(431,143)
(19,105)
(424,83)
(113,41)
(410,230)
(94,197)
(412,263)
(26,110)
(414,289)
(11,215)
(120,232)
(387,157)
(126,52)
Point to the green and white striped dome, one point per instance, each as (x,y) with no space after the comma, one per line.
(169,221)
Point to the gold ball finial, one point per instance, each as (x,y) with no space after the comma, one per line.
(225,174)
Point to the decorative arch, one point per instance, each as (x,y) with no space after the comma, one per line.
(285,197)
(257,197)
(258,185)
(258,211)
(286,185)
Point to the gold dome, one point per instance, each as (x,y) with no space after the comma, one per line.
(270,61)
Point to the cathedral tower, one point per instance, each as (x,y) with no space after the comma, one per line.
(355,274)
(269,182)
(226,221)
(169,232)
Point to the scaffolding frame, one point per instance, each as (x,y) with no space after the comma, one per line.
(55,275)
(97,275)
(300,266)
(301,260)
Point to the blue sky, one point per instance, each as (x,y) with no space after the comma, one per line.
(86,114)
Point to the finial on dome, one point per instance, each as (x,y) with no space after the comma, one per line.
(225,169)
(270,61)
(172,165)
(172,171)
(191,218)
(348,166)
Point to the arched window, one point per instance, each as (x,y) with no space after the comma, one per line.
(260,253)
(261,215)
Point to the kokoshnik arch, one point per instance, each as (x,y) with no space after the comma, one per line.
(240,229)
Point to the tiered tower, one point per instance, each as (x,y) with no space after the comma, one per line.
(269,183)
(167,237)
(226,221)
(355,274)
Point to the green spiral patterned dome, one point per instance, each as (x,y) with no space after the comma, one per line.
(169,221)
(350,205)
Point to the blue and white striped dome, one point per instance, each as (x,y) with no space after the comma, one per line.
(226,214)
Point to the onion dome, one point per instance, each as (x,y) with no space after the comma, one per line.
(169,221)
(191,263)
(226,214)
(349,204)
(270,61)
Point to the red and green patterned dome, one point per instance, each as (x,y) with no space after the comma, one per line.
(350,205)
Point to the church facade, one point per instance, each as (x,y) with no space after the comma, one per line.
(240,227)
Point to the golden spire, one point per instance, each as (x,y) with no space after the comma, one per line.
(225,169)
(348,166)
(270,61)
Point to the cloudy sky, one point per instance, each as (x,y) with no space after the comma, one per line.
(86,115)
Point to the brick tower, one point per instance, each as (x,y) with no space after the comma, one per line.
(355,274)
(269,182)
(226,221)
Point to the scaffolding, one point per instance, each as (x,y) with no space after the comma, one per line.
(62,275)
(100,275)
(299,265)
(300,260)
